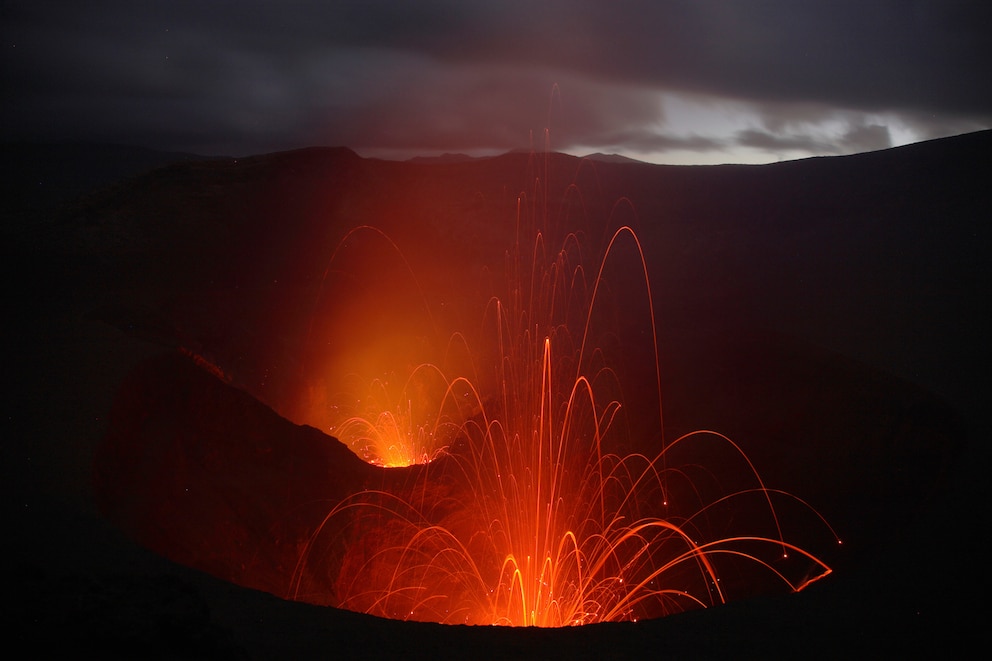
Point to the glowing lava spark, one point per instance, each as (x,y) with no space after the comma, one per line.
(547,510)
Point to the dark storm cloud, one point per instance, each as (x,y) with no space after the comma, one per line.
(842,137)
(399,77)
(779,143)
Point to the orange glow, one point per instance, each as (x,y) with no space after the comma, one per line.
(390,404)
(551,497)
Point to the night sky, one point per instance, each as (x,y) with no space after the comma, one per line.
(686,81)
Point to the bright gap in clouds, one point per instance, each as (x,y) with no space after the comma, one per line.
(655,126)
(701,130)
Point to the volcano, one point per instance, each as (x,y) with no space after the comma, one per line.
(165,462)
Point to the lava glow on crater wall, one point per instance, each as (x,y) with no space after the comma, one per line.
(502,456)
(540,488)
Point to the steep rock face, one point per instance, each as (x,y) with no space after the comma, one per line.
(205,475)
(202,473)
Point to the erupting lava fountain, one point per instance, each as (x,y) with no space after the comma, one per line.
(547,493)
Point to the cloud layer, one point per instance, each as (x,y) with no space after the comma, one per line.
(677,81)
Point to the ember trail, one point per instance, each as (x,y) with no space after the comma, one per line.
(546,492)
